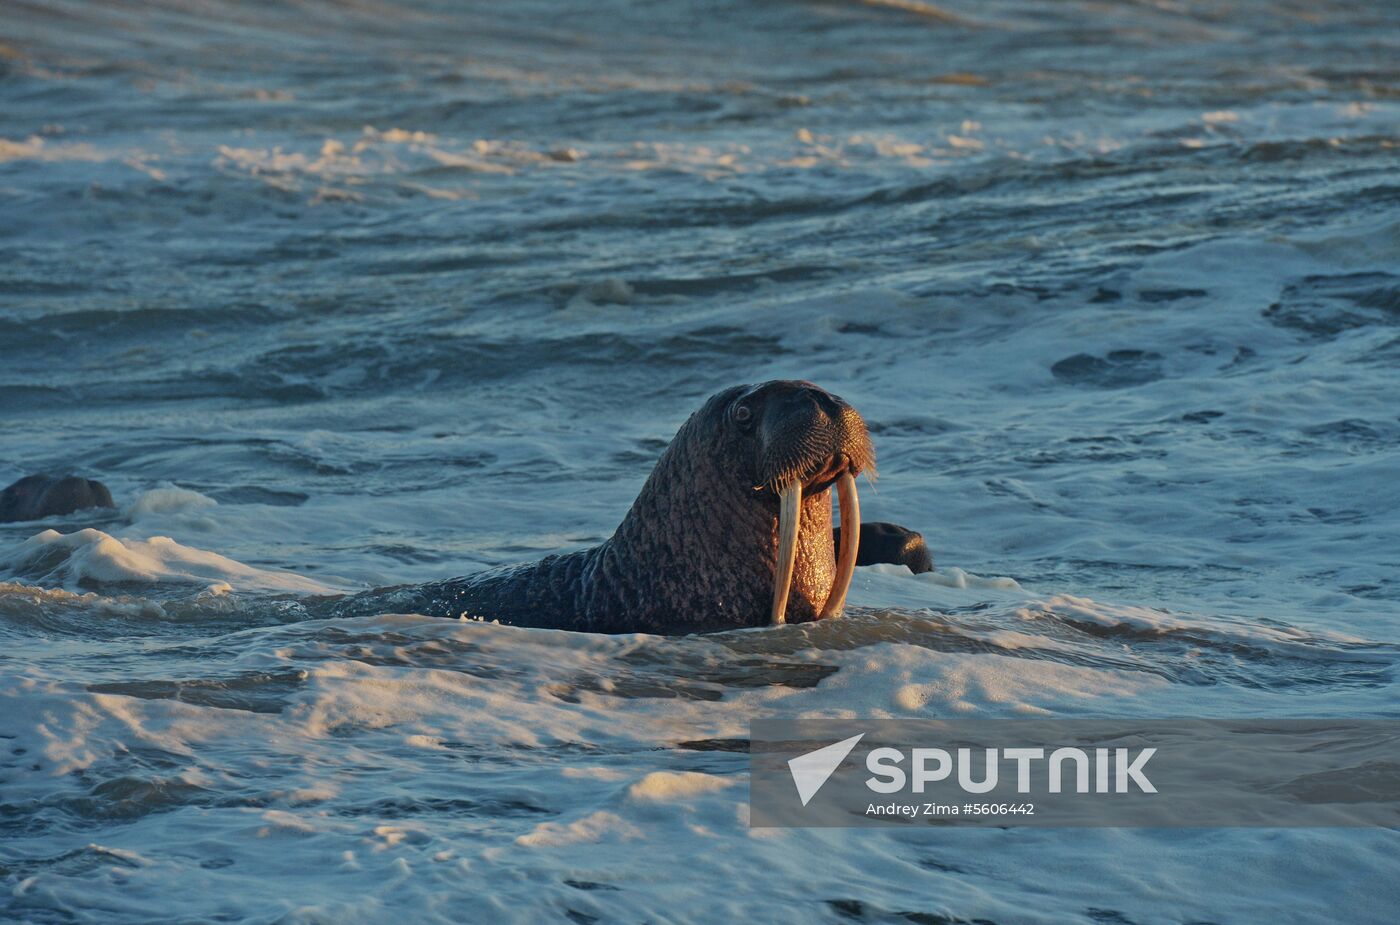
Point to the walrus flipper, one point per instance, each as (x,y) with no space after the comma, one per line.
(38,496)
(882,542)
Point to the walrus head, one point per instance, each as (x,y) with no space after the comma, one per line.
(805,440)
(734,524)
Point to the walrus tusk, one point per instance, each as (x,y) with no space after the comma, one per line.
(850,545)
(789,524)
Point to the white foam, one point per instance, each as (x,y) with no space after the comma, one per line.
(591,829)
(668,786)
(89,555)
(594,788)
(170,500)
(36,148)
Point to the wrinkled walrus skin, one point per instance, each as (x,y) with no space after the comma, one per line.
(37,496)
(697,551)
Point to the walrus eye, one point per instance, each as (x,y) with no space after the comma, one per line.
(743,416)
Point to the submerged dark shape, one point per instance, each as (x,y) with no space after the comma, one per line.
(37,496)
(886,542)
(700,547)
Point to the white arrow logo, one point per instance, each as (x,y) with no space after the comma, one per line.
(812,770)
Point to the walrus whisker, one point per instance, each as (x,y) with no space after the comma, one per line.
(789,524)
(849,500)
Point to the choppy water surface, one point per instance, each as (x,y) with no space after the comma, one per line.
(337,295)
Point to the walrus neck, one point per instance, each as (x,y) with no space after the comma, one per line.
(697,550)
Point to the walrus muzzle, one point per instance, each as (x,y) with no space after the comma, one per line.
(811,440)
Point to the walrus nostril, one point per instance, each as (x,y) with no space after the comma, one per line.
(802,404)
(828,404)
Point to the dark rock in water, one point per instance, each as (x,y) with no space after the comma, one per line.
(1119,369)
(886,542)
(37,496)
(1171,295)
(1325,307)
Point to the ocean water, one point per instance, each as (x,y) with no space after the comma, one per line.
(336,295)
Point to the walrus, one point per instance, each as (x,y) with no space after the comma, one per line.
(732,529)
(37,496)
